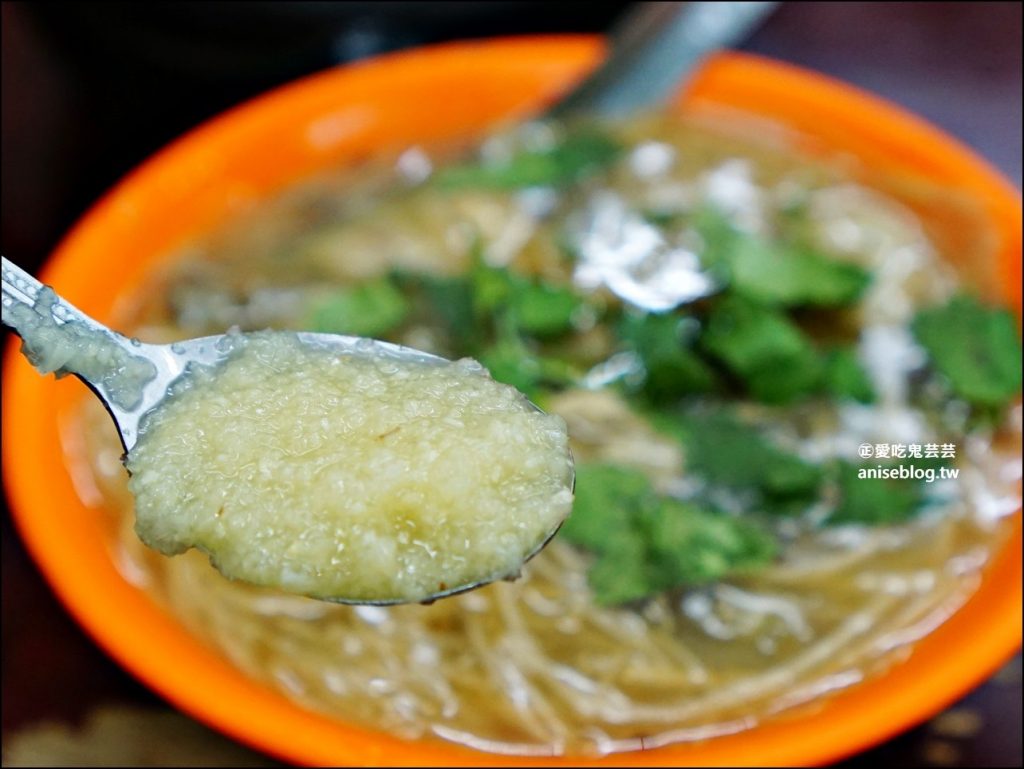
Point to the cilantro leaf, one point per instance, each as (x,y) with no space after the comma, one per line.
(672,367)
(491,287)
(874,501)
(767,351)
(774,272)
(781,275)
(542,309)
(691,546)
(578,155)
(645,543)
(622,574)
(728,453)
(607,500)
(534,306)
(511,362)
(844,377)
(443,302)
(372,309)
(493,314)
(977,349)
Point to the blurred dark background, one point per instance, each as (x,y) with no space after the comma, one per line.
(90,89)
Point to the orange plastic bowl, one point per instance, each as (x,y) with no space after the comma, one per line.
(422,96)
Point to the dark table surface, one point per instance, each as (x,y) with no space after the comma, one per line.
(90,89)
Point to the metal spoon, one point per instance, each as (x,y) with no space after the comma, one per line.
(651,50)
(132,378)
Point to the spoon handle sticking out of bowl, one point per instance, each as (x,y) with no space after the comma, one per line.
(651,51)
(128,376)
(22,290)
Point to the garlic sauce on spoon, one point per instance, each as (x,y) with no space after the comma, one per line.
(345,469)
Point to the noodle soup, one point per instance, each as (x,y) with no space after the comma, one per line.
(732,333)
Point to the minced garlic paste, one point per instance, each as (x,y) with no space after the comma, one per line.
(354,477)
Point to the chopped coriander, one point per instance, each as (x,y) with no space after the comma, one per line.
(874,501)
(774,272)
(511,362)
(768,352)
(608,498)
(976,349)
(717,234)
(691,546)
(450,300)
(542,309)
(671,367)
(497,316)
(622,575)
(726,452)
(534,306)
(578,155)
(844,377)
(646,543)
(491,287)
(372,309)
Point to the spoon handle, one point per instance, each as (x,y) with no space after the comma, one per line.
(58,338)
(21,288)
(31,308)
(653,49)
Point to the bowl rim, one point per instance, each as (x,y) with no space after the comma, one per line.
(65,540)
